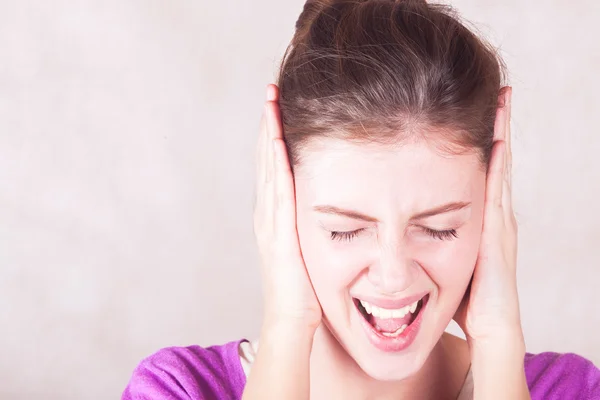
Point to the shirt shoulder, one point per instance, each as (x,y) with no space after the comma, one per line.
(562,376)
(192,372)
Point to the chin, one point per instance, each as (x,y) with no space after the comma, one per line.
(389,368)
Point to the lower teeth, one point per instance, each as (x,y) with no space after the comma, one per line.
(396,333)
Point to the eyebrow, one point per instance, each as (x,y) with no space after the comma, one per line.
(445,208)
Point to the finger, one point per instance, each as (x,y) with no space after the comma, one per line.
(508,135)
(500,122)
(268,201)
(507,207)
(275,131)
(285,199)
(261,150)
(274,120)
(461,313)
(271,134)
(272,92)
(495,183)
(502,133)
(507,187)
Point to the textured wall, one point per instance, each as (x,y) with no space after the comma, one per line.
(127,131)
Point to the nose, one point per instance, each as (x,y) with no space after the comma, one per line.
(394,271)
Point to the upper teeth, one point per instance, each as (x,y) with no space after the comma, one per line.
(384,313)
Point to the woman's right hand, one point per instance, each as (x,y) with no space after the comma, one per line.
(289,298)
(292,312)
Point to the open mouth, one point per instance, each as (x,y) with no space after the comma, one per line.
(391,323)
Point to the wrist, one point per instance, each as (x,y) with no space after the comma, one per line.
(498,369)
(287,330)
(281,369)
(510,339)
(303,321)
(504,352)
(502,356)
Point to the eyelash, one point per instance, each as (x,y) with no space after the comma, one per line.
(344,236)
(441,235)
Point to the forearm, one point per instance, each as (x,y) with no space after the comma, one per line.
(281,368)
(498,370)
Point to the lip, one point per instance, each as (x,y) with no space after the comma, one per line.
(394,344)
(392,303)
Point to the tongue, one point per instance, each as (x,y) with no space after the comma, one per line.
(390,324)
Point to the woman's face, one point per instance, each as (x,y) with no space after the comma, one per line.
(394,228)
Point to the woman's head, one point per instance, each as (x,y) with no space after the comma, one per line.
(388,111)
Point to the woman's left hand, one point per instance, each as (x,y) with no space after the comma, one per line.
(489,313)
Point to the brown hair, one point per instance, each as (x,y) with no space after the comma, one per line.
(383,71)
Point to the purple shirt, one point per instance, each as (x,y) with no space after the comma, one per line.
(216,373)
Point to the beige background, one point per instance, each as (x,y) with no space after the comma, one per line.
(127,131)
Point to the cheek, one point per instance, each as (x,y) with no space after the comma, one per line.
(331,271)
(450,266)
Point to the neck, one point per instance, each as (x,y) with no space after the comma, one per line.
(334,374)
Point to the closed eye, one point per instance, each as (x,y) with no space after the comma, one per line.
(448,234)
(344,236)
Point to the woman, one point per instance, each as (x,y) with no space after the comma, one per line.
(383,211)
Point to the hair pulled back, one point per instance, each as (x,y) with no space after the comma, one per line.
(383,71)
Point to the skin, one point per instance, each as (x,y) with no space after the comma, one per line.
(394,257)
(311,343)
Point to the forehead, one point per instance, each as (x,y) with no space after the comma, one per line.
(414,172)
